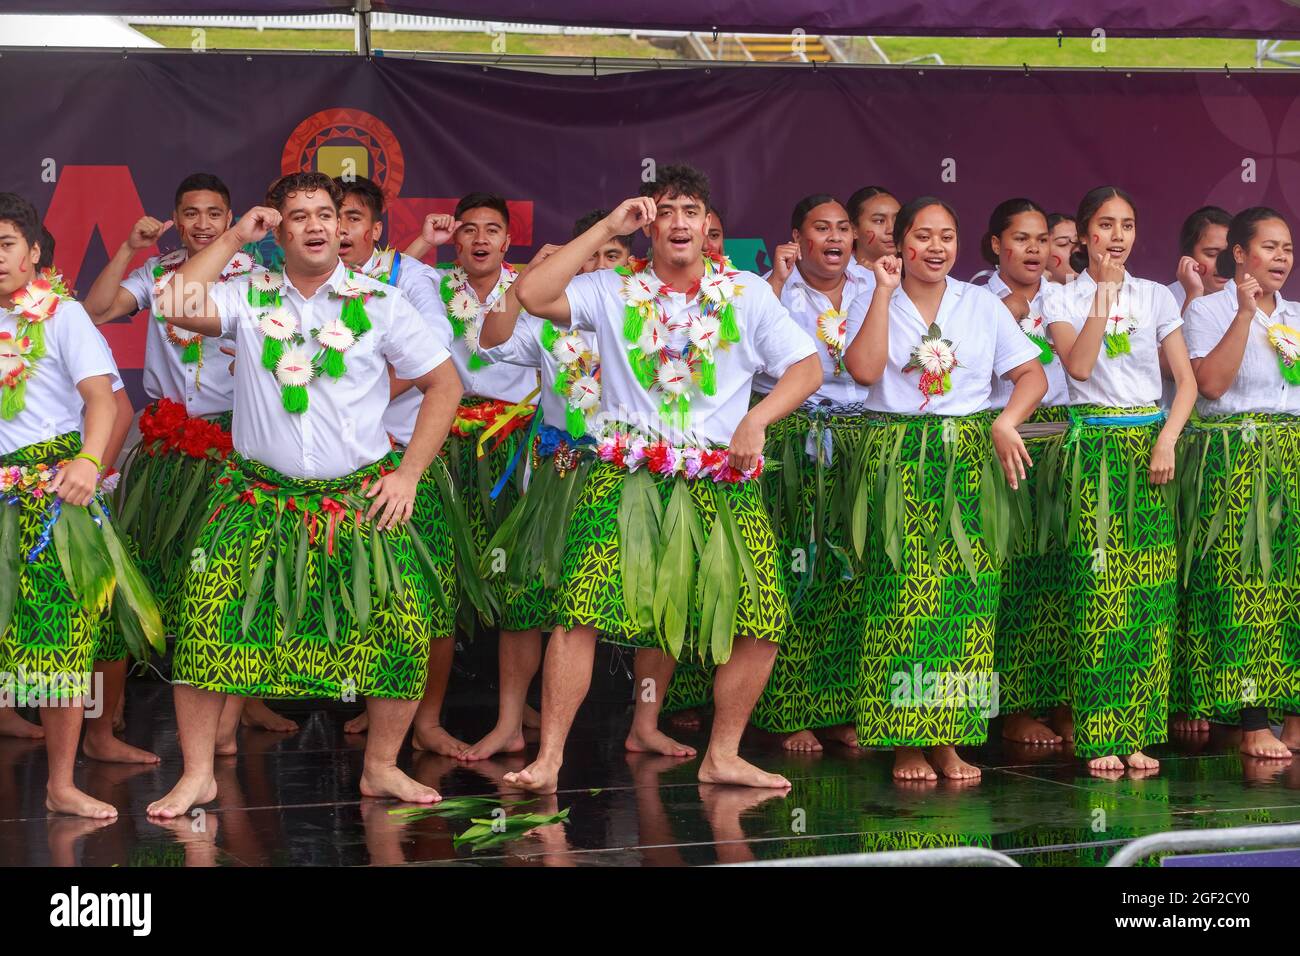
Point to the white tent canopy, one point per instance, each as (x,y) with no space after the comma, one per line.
(78,31)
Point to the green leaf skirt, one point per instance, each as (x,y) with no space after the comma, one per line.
(926,505)
(661,561)
(525,557)
(59,606)
(1122,571)
(290,592)
(1031,646)
(158,508)
(1240,539)
(814,680)
(474,478)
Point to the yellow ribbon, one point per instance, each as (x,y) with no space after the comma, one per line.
(509,414)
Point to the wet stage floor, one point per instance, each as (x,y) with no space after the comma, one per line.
(293,800)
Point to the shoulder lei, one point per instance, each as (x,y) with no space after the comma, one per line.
(465,312)
(578,378)
(33,306)
(285,352)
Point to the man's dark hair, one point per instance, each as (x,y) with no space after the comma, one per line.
(483,201)
(677,180)
(201,181)
(367,190)
(593,217)
(14,208)
(47,250)
(304,182)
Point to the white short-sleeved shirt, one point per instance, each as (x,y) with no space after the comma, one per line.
(524,348)
(1058,391)
(509,383)
(74,352)
(342,429)
(1259,386)
(986,339)
(863,274)
(419,283)
(1179,293)
(770,341)
(805,305)
(204,387)
(1126,381)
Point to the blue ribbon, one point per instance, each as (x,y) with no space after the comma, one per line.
(549,439)
(397,267)
(514,459)
(1124,421)
(47,531)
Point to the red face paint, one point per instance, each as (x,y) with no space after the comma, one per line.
(1056,260)
(871,237)
(1096,239)
(911,253)
(1200,269)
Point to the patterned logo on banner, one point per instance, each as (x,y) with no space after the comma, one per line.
(341,140)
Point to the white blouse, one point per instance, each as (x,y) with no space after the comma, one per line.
(1259,386)
(985,338)
(1147,310)
(1058,391)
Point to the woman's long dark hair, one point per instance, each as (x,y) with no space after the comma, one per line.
(1088,207)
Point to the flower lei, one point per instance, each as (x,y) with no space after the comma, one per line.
(190,343)
(31,480)
(674,376)
(935,358)
(167,427)
(33,306)
(832,329)
(1286,342)
(1035,330)
(284,347)
(380,264)
(631,451)
(465,312)
(1118,329)
(578,378)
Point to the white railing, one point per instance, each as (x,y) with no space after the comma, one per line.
(387,21)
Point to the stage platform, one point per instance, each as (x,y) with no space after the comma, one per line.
(293,800)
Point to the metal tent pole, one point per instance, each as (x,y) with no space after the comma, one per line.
(362,33)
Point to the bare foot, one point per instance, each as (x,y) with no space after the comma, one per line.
(655,742)
(1291,733)
(1062,721)
(846,735)
(685,719)
(1263,743)
(358,724)
(257,714)
(532,719)
(188,792)
(537,777)
(1024,729)
(802,741)
(227,744)
(73,802)
(1106,764)
(946,761)
(500,739)
(910,764)
(741,773)
(436,739)
(1182,724)
(391,783)
(1140,761)
(108,748)
(13,725)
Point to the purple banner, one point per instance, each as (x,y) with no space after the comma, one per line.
(97,140)
(1224,18)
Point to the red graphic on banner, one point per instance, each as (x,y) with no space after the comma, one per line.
(103,198)
(338,127)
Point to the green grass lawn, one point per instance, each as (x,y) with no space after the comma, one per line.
(966,51)
(1075,51)
(221,38)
